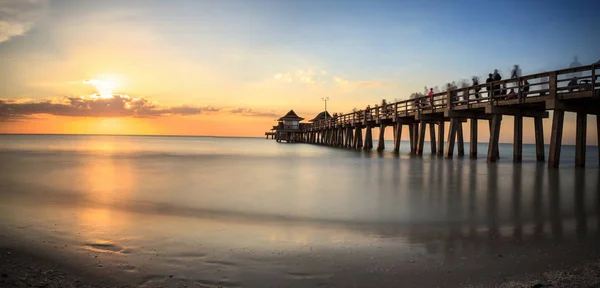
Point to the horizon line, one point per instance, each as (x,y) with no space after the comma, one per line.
(208,136)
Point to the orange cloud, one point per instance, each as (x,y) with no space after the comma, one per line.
(117,106)
(253,113)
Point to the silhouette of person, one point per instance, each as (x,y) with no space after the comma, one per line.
(574,64)
(511,94)
(475,83)
(430,94)
(516,72)
(497,77)
(525,88)
(572,84)
(490,79)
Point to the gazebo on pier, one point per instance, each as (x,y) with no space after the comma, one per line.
(288,127)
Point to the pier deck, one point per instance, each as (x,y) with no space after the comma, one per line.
(547,91)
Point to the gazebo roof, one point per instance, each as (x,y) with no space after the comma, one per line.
(291,116)
(321,116)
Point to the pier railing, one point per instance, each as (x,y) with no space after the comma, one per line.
(527,89)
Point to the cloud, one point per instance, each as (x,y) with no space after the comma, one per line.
(117,106)
(17,17)
(253,113)
(284,77)
(307,77)
(340,81)
(314,78)
(368,84)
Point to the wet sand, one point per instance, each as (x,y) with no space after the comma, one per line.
(47,263)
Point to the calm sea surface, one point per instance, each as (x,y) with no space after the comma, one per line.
(215,210)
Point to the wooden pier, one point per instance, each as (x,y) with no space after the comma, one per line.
(536,95)
(270,134)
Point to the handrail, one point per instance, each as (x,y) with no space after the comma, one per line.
(490,92)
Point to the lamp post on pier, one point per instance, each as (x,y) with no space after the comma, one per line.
(325,99)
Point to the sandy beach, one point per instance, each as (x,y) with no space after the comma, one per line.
(46,263)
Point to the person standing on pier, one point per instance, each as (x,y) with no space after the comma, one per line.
(430,94)
(497,77)
(524,88)
(489,80)
(477,89)
(516,74)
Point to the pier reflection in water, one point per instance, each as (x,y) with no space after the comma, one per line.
(491,204)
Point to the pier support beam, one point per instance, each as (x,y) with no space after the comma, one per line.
(421,139)
(349,136)
(368,138)
(398,137)
(539,139)
(473,139)
(580,139)
(412,138)
(598,128)
(358,135)
(451,138)
(331,136)
(494,138)
(497,147)
(518,140)
(380,140)
(556,138)
(461,139)
(432,137)
(440,148)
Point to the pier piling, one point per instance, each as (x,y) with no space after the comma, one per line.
(451,138)
(580,139)
(432,137)
(421,139)
(473,139)
(461,141)
(440,148)
(397,137)
(539,139)
(518,139)
(380,140)
(556,138)
(494,138)
(368,138)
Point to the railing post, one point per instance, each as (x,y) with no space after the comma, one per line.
(594,81)
(553,87)
(396,111)
(449,100)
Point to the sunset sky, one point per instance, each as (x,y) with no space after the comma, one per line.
(229,68)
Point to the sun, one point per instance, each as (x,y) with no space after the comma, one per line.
(105,88)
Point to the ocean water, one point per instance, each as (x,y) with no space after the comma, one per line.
(233,212)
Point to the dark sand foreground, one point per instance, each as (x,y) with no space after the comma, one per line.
(23,266)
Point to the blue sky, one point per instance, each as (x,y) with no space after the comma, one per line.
(268,56)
